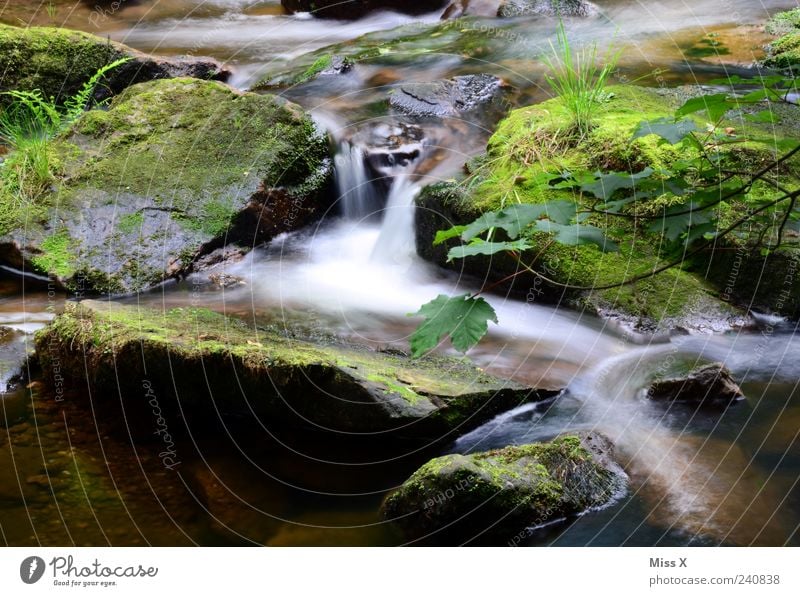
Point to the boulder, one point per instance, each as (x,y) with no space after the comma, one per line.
(562,8)
(494,497)
(710,385)
(687,299)
(448,97)
(173,170)
(59,61)
(198,363)
(784,52)
(355,9)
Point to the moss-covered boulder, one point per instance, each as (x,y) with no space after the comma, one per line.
(493,497)
(199,364)
(59,61)
(355,9)
(533,140)
(784,52)
(171,171)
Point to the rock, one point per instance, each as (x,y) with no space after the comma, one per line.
(785,51)
(59,61)
(769,283)
(495,496)
(784,23)
(446,98)
(689,299)
(326,65)
(551,8)
(187,357)
(173,170)
(388,146)
(471,8)
(710,385)
(15,348)
(355,9)
(225,280)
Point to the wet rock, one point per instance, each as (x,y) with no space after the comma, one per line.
(710,385)
(325,66)
(446,98)
(493,497)
(227,255)
(355,9)
(14,350)
(225,280)
(471,8)
(563,8)
(389,146)
(187,357)
(59,61)
(173,170)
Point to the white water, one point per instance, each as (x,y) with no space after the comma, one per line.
(358,197)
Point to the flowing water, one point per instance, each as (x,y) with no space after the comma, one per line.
(696,477)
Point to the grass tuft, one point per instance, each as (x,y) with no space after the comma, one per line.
(578,79)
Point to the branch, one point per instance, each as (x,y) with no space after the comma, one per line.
(792,197)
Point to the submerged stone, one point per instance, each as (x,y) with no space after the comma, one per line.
(201,364)
(496,496)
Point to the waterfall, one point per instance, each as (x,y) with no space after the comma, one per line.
(395,244)
(359,197)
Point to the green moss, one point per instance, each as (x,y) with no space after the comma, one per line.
(393,385)
(216,143)
(195,333)
(130,222)
(784,22)
(180,151)
(55,61)
(785,52)
(57,255)
(503,490)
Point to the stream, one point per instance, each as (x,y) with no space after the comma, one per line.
(697,477)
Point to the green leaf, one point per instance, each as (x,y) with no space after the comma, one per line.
(716,105)
(762,116)
(705,231)
(675,223)
(480,247)
(606,185)
(575,234)
(463,318)
(443,236)
(672,131)
(517,217)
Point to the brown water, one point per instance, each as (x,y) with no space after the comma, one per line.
(67,477)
